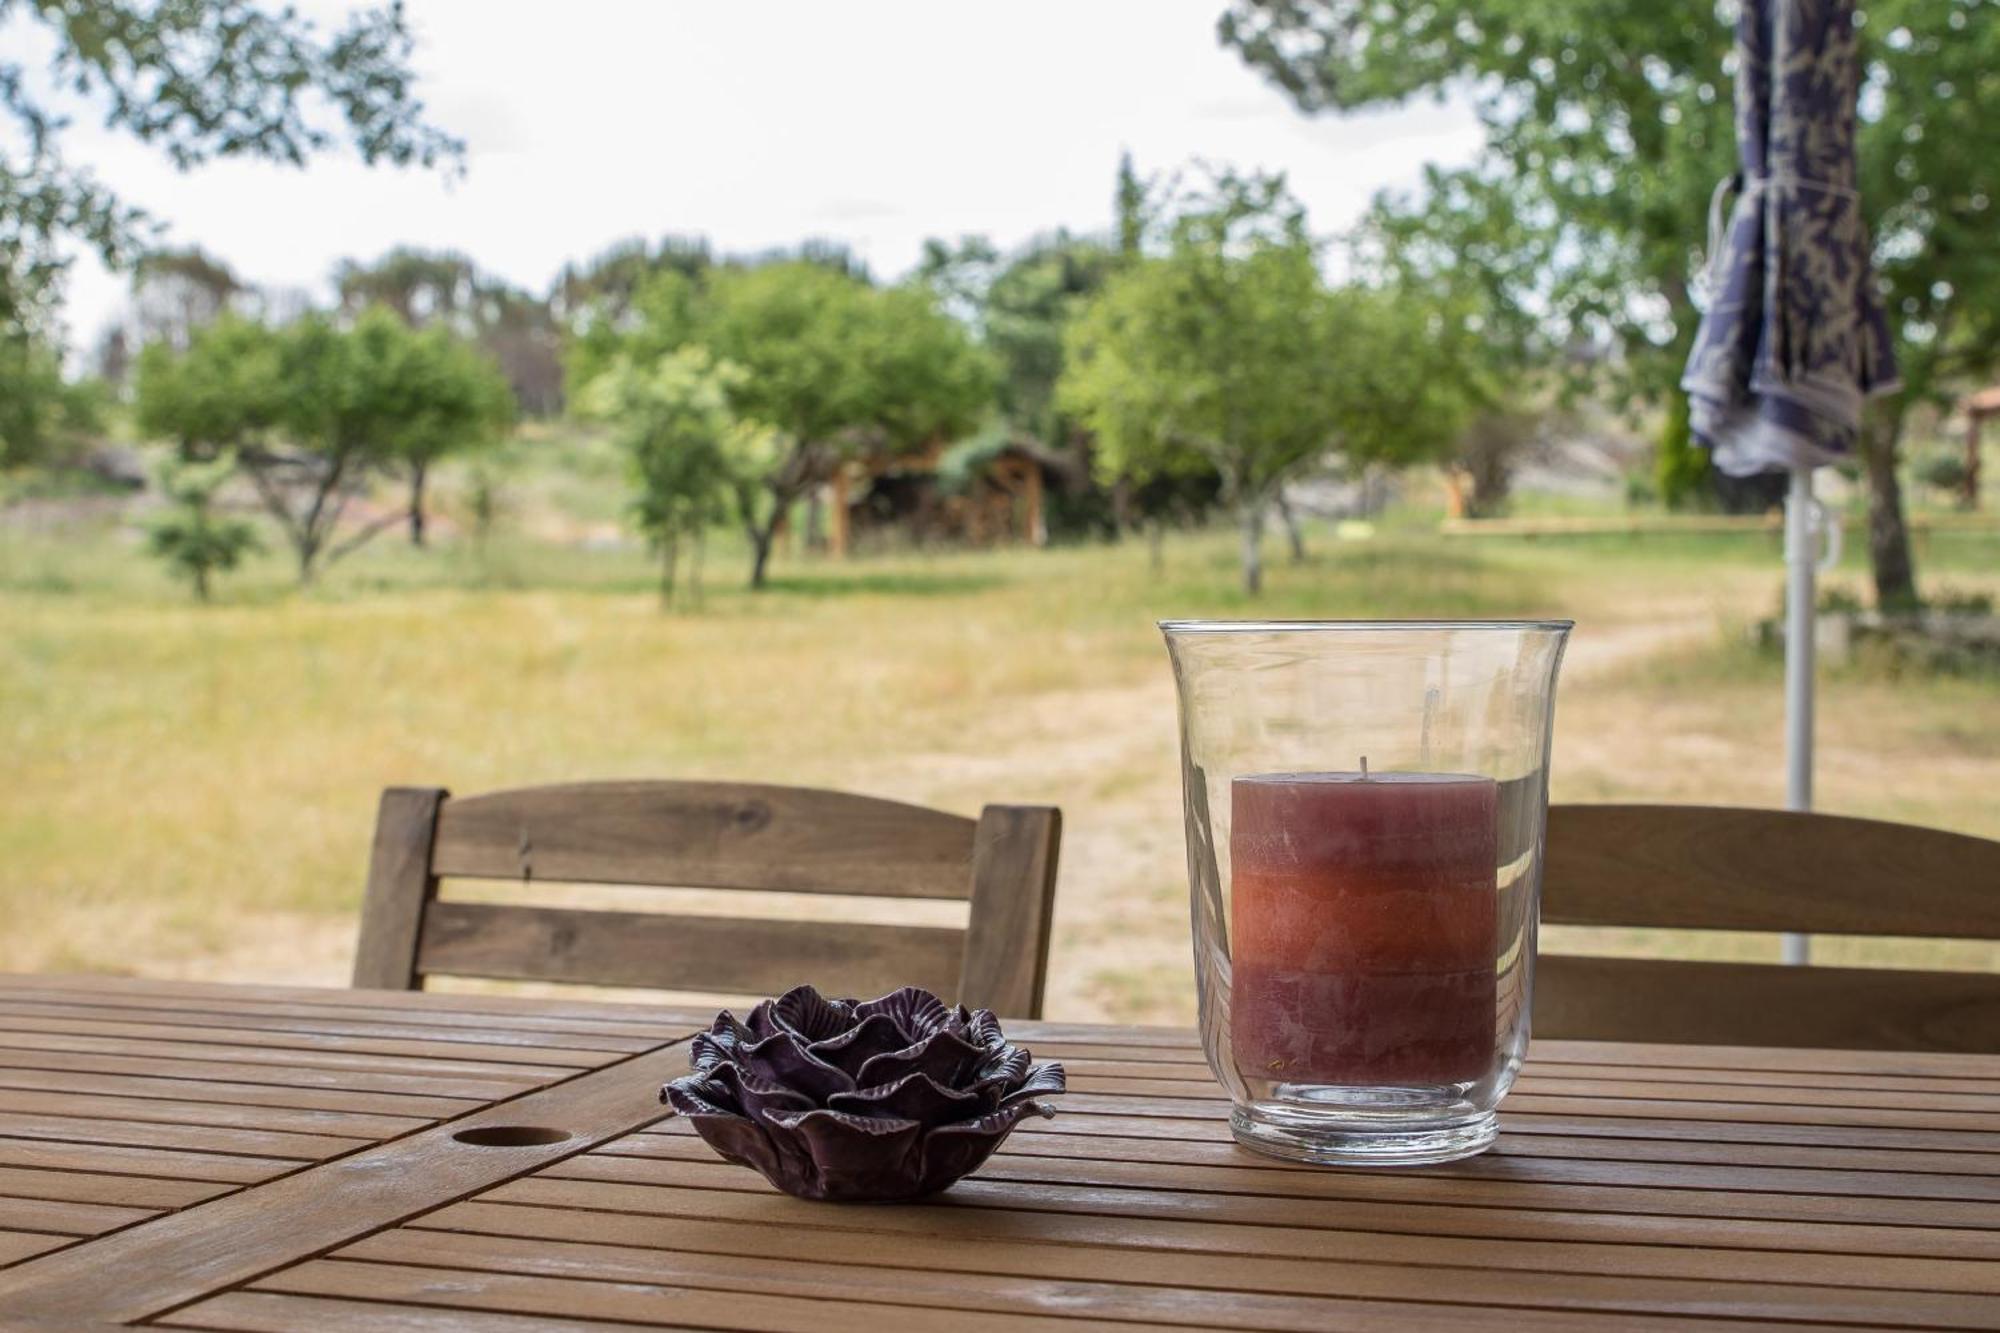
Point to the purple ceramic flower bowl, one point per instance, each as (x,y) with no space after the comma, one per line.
(850,1100)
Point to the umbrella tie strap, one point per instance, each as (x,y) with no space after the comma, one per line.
(1793,178)
(1710,277)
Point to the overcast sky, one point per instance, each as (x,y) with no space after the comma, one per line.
(875,122)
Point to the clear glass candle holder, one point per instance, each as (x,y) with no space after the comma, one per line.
(1365,803)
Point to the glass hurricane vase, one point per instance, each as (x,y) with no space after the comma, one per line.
(1364,804)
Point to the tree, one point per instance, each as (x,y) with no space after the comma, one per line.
(597,294)
(200,79)
(520,332)
(1229,350)
(314,411)
(427,288)
(42,415)
(194,541)
(448,398)
(1129,205)
(421,287)
(1018,306)
(687,453)
(838,369)
(1607,127)
(175,292)
(443,293)
(1454,258)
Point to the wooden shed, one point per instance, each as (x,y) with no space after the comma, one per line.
(1000,498)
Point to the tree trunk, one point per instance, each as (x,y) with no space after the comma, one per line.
(815,522)
(670,550)
(1969,494)
(761,539)
(697,540)
(1888,535)
(1121,506)
(201,583)
(1156,543)
(419,471)
(1252,518)
(1293,532)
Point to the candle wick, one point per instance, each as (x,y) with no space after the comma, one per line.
(1364,765)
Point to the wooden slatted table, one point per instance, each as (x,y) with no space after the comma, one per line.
(229,1157)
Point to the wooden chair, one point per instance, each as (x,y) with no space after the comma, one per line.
(1711,868)
(711,835)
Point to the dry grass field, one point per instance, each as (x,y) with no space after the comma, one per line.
(188,791)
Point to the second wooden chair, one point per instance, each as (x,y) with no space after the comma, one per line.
(1712,868)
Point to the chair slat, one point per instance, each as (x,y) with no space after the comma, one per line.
(1760,1004)
(731,955)
(707,835)
(1013,902)
(1715,868)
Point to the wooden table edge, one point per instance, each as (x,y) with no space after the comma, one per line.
(199,1251)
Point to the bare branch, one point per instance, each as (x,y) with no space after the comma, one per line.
(361,537)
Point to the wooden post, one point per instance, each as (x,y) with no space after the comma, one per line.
(1971,482)
(837,535)
(1038,528)
(1454,493)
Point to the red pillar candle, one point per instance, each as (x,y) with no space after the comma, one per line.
(1363,928)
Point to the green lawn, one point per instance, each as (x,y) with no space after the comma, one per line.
(189,790)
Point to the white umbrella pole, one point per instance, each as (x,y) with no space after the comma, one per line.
(1800,560)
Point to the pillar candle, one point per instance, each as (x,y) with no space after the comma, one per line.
(1363,927)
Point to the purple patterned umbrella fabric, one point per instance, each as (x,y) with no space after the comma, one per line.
(1794,340)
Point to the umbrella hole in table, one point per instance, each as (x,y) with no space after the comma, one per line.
(510,1136)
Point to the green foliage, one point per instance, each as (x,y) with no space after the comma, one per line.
(420,286)
(315,409)
(1680,467)
(42,415)
(1020,307)
(222,391)
(444,289)
(1943,471)
(687,454)
(1229,351)
(1456,256)
(836,368)
(596,294)
(1130,205)
(1607,126)
(193,541)
(450,398)
(1960,601)
(200,79)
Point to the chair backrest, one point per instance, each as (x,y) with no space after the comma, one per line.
(1715,868)
(718,835)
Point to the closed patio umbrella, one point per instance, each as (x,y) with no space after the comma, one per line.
(1794,340)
